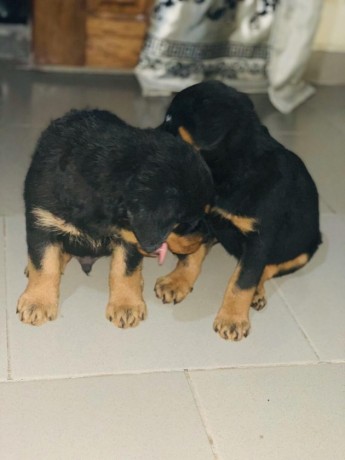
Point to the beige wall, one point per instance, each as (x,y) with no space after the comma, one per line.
(331,32)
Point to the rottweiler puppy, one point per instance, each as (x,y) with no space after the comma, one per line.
(266,210)
(99,187)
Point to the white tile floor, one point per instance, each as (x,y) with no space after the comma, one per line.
(78,388)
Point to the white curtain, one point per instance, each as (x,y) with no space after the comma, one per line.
(254,45)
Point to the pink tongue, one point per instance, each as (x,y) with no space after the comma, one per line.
(161,253)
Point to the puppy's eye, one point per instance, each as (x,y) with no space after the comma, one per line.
(168,118)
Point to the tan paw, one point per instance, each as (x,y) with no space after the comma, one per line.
(126,316)
(35,311)
(230,329)
(258,302)
(172,289)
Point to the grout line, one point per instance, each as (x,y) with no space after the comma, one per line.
(59,378)
(4,232)
(167,371)
(9,371)
(310,342)
(202,415)
(331,209)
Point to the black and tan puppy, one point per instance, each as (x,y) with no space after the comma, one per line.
(97,187)
(266,210)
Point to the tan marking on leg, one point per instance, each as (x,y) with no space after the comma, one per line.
(259,299)
(232,320)
(185,135)
(186,244)
(46,219)
(39,301)
(243,223)
(128,236)
(175,286)
(64,259)
(290,265)
(126,306)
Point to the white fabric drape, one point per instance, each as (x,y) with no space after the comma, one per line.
(291,42)
(253,45)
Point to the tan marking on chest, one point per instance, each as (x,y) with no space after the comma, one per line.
(128,236)
(243,223)
(186,136)
(184,244)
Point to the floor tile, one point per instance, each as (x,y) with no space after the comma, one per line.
(82,342)
(26,93)
(316,293)
(274,413)
(3,321)
(16,148)
(146,417)
(328,96)
(337,118)
(325,159)
(309,118)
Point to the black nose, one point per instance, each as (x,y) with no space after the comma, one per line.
(150,247)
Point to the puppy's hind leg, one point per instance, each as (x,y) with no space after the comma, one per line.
(39,302)
(259,299)
(270,271)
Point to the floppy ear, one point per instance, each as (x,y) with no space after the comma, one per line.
(211,125)
(214,119)
(150,226)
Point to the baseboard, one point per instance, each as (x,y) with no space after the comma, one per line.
(326,68)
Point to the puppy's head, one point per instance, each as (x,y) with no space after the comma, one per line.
(206,113)
(172,188)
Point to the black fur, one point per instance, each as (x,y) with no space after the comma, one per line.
(254,176)
(96,172)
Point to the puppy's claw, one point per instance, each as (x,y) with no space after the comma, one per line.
(258,303)
(36,311)
(124,317)
(230,329)
(172,289)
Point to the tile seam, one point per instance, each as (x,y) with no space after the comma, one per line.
(173,371)
(300,327)
(9,370)
(202,415)
(167,371)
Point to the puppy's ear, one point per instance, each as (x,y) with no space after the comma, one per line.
(212,125)
(218,118)
(150,226)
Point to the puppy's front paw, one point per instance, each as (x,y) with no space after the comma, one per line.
(172,289)
(36,311)
(258,302)
(230,328)
(125,316)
